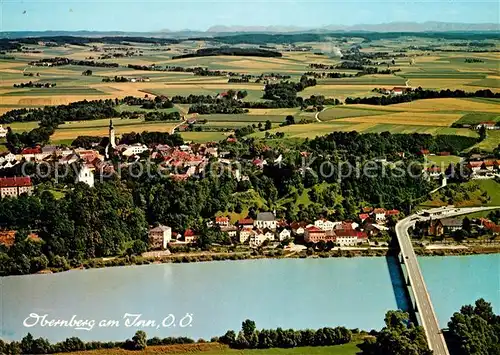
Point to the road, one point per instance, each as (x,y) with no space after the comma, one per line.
(316,116)
(426,311)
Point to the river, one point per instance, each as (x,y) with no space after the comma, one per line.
(291,293)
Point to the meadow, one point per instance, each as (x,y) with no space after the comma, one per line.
(477,193)
(430,70)
(217,349)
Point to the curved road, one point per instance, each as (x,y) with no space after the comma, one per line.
(425,309)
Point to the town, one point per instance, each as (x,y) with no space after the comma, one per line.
(369,230)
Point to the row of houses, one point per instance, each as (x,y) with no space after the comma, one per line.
(489,125)
(265,227)
(484,165)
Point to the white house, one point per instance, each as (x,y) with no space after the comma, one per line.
(284,234)
(245,234)
(134,149)
(86,175)
(160,236)
(487,125)
(325,224)
(265,220)
(350,238)
(257,238)
(379,214)
(230,230)
(3,132)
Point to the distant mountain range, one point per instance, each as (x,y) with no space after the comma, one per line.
(383,27)
(223,30)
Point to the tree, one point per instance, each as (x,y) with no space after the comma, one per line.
(248,328)
(138,247)
(140,340)
(241,341)
(289,120)
(398,337)
(268,125)
(466,225)
(482,133)
(475,330)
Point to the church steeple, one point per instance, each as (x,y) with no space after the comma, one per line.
(112,141)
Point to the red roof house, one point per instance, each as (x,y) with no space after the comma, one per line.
(17,181)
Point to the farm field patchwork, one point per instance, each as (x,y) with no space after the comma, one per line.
(407,118)
(435,70)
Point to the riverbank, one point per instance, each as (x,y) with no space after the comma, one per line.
(220,349)
(347,252)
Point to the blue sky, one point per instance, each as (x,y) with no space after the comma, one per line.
(152,15)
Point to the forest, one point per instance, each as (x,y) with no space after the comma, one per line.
(236,51)
(59,61)
(420,94)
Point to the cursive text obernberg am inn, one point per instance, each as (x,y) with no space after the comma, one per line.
(128,320)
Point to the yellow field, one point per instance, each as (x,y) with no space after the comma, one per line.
(448,104)
(65,134)
(443,83)
(407,118)
(273,111)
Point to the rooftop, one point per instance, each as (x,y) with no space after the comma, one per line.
(17,181)
(265,216)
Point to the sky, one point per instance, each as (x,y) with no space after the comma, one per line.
(154,15)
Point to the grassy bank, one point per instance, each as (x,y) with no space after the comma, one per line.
(219,349)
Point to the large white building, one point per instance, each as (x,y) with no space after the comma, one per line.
(134,149)
(160,236)
(86,175)
(257,238)
(266,220)
(325,224)
(15,186)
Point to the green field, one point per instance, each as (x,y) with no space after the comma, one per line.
(487,82)
(491,142)
(202,137)
(313,130)
(442,161)
(472,197)
(344,112)
(478,117)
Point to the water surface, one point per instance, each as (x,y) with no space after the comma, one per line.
(291,293)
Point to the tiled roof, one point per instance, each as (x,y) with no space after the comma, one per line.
(18,181)
(265,216)
(160,228)
(245,221)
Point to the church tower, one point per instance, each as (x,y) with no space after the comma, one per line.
(112,141)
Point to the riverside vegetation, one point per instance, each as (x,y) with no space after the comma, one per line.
(474,330)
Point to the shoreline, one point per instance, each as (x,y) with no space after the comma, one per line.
(271,254)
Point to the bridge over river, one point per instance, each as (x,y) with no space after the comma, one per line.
(426,315)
